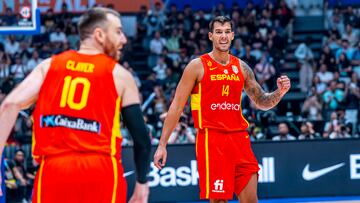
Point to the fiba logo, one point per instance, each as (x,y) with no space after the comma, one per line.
(25,12)
(219,186)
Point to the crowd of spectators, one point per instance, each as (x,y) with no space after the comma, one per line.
(173,37)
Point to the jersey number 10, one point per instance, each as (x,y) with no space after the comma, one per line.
(69,89)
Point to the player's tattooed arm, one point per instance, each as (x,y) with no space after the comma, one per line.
(262,99)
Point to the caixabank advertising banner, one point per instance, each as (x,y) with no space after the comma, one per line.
(287,169)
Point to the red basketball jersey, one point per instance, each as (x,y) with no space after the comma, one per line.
(216,100)
(78,109)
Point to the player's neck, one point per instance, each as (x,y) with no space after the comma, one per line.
(88,47)
(222,58)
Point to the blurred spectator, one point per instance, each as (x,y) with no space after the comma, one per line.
(73,38)
(350,35)
(312,108)
(305,56)
(4,66)
(319,87)
(356,60)
(248,58)
(307,131)
(182,62)
(219,10)
(265,72)
(331,124)
(333,43)
(160,70)
(344,49)
(171,79)
(339,131)
(148,85)
(9,18)
(11,45)
(344,67)
(141,17)
(238,49)
(188,18)
(10,182)
(172,14)
(49,19)
(18,70)
(156,47)
(200,18)
(21,176)
(152,132)
(286,16)
(173,45)
(328,58)
(58,36)
(33,61)
(350,17)
(23,129)
(126,65)
(335,20)
(24,50)
(182,134)
(352,100)
(255,132)
(324,75)
(283,133)
(334,96)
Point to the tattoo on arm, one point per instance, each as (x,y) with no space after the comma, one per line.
(262,99)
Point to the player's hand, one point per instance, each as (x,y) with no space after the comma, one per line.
(160,157)
(141,193)
(283,84)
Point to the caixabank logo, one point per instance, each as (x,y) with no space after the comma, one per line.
(53,121)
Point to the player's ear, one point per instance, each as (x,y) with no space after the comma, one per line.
(210,34)
(99,35)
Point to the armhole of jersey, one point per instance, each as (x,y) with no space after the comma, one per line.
(111,70)
(241,69)
(203,63)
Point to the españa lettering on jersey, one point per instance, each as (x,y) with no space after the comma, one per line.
(216,99)
(224,77)
(75,110)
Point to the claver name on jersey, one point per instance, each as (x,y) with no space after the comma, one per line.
(80,66)
(224,77)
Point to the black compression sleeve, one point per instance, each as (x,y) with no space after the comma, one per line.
(134,121)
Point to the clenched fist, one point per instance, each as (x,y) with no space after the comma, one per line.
(283,84)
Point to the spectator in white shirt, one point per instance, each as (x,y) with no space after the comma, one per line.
(283,133)
(34,60)
(157,45)
(18,70)
(58,36)
(11,46)
(324,75)
(160,69)
(305,56)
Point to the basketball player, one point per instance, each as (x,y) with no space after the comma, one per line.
(79,96)
(226,163)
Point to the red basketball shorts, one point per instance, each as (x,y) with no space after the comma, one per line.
(79,178)
(225,163)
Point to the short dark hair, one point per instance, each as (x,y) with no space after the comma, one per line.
(222,20)
(93,18)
